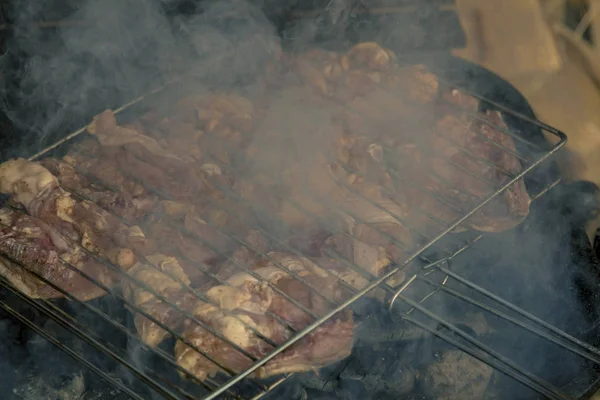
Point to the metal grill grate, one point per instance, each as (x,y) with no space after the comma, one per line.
(431,260)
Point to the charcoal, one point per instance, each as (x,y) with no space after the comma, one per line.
(399,378)
(352,389)
(292,390)
(69,388)
(457,376)
(384,395)
(315,394)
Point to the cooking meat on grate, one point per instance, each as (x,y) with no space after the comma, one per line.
(174,241)
(86,157)
(331,179)
(227,121)
(141,156)
(164,276)
(247,254)
(82,222)
(370,87)
(158,221)
(131,209)
(250,302)
(29,244)
(129,166)
(474,158)
(379,96)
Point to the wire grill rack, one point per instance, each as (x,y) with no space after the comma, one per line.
(421,267)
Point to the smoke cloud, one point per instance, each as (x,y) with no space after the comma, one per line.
(104,53)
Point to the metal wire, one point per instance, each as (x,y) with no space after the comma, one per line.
(216,390)
(25,321)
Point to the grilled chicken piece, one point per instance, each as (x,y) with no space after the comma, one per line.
(165,276)
(26,181)
(180,177)
(201,237)
(368,81)
(82,222)
(254,302)
(226,119)
(117,167)
(375,215)
(209,251)
(477,158)
(244,256)
(320,69)
(87,157)
(394,105)
(214,110)
(332,74)
(372,247)
(336,178)
(171,131)
(131,209)
(368,55)
(29,244)
(105,128)
(430,213)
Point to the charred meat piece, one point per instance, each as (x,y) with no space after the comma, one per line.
(131,209)
(253,301)
(29,244)
(165,276)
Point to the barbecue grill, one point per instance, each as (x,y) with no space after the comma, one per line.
(439,267)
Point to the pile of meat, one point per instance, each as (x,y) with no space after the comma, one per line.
(234,221)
